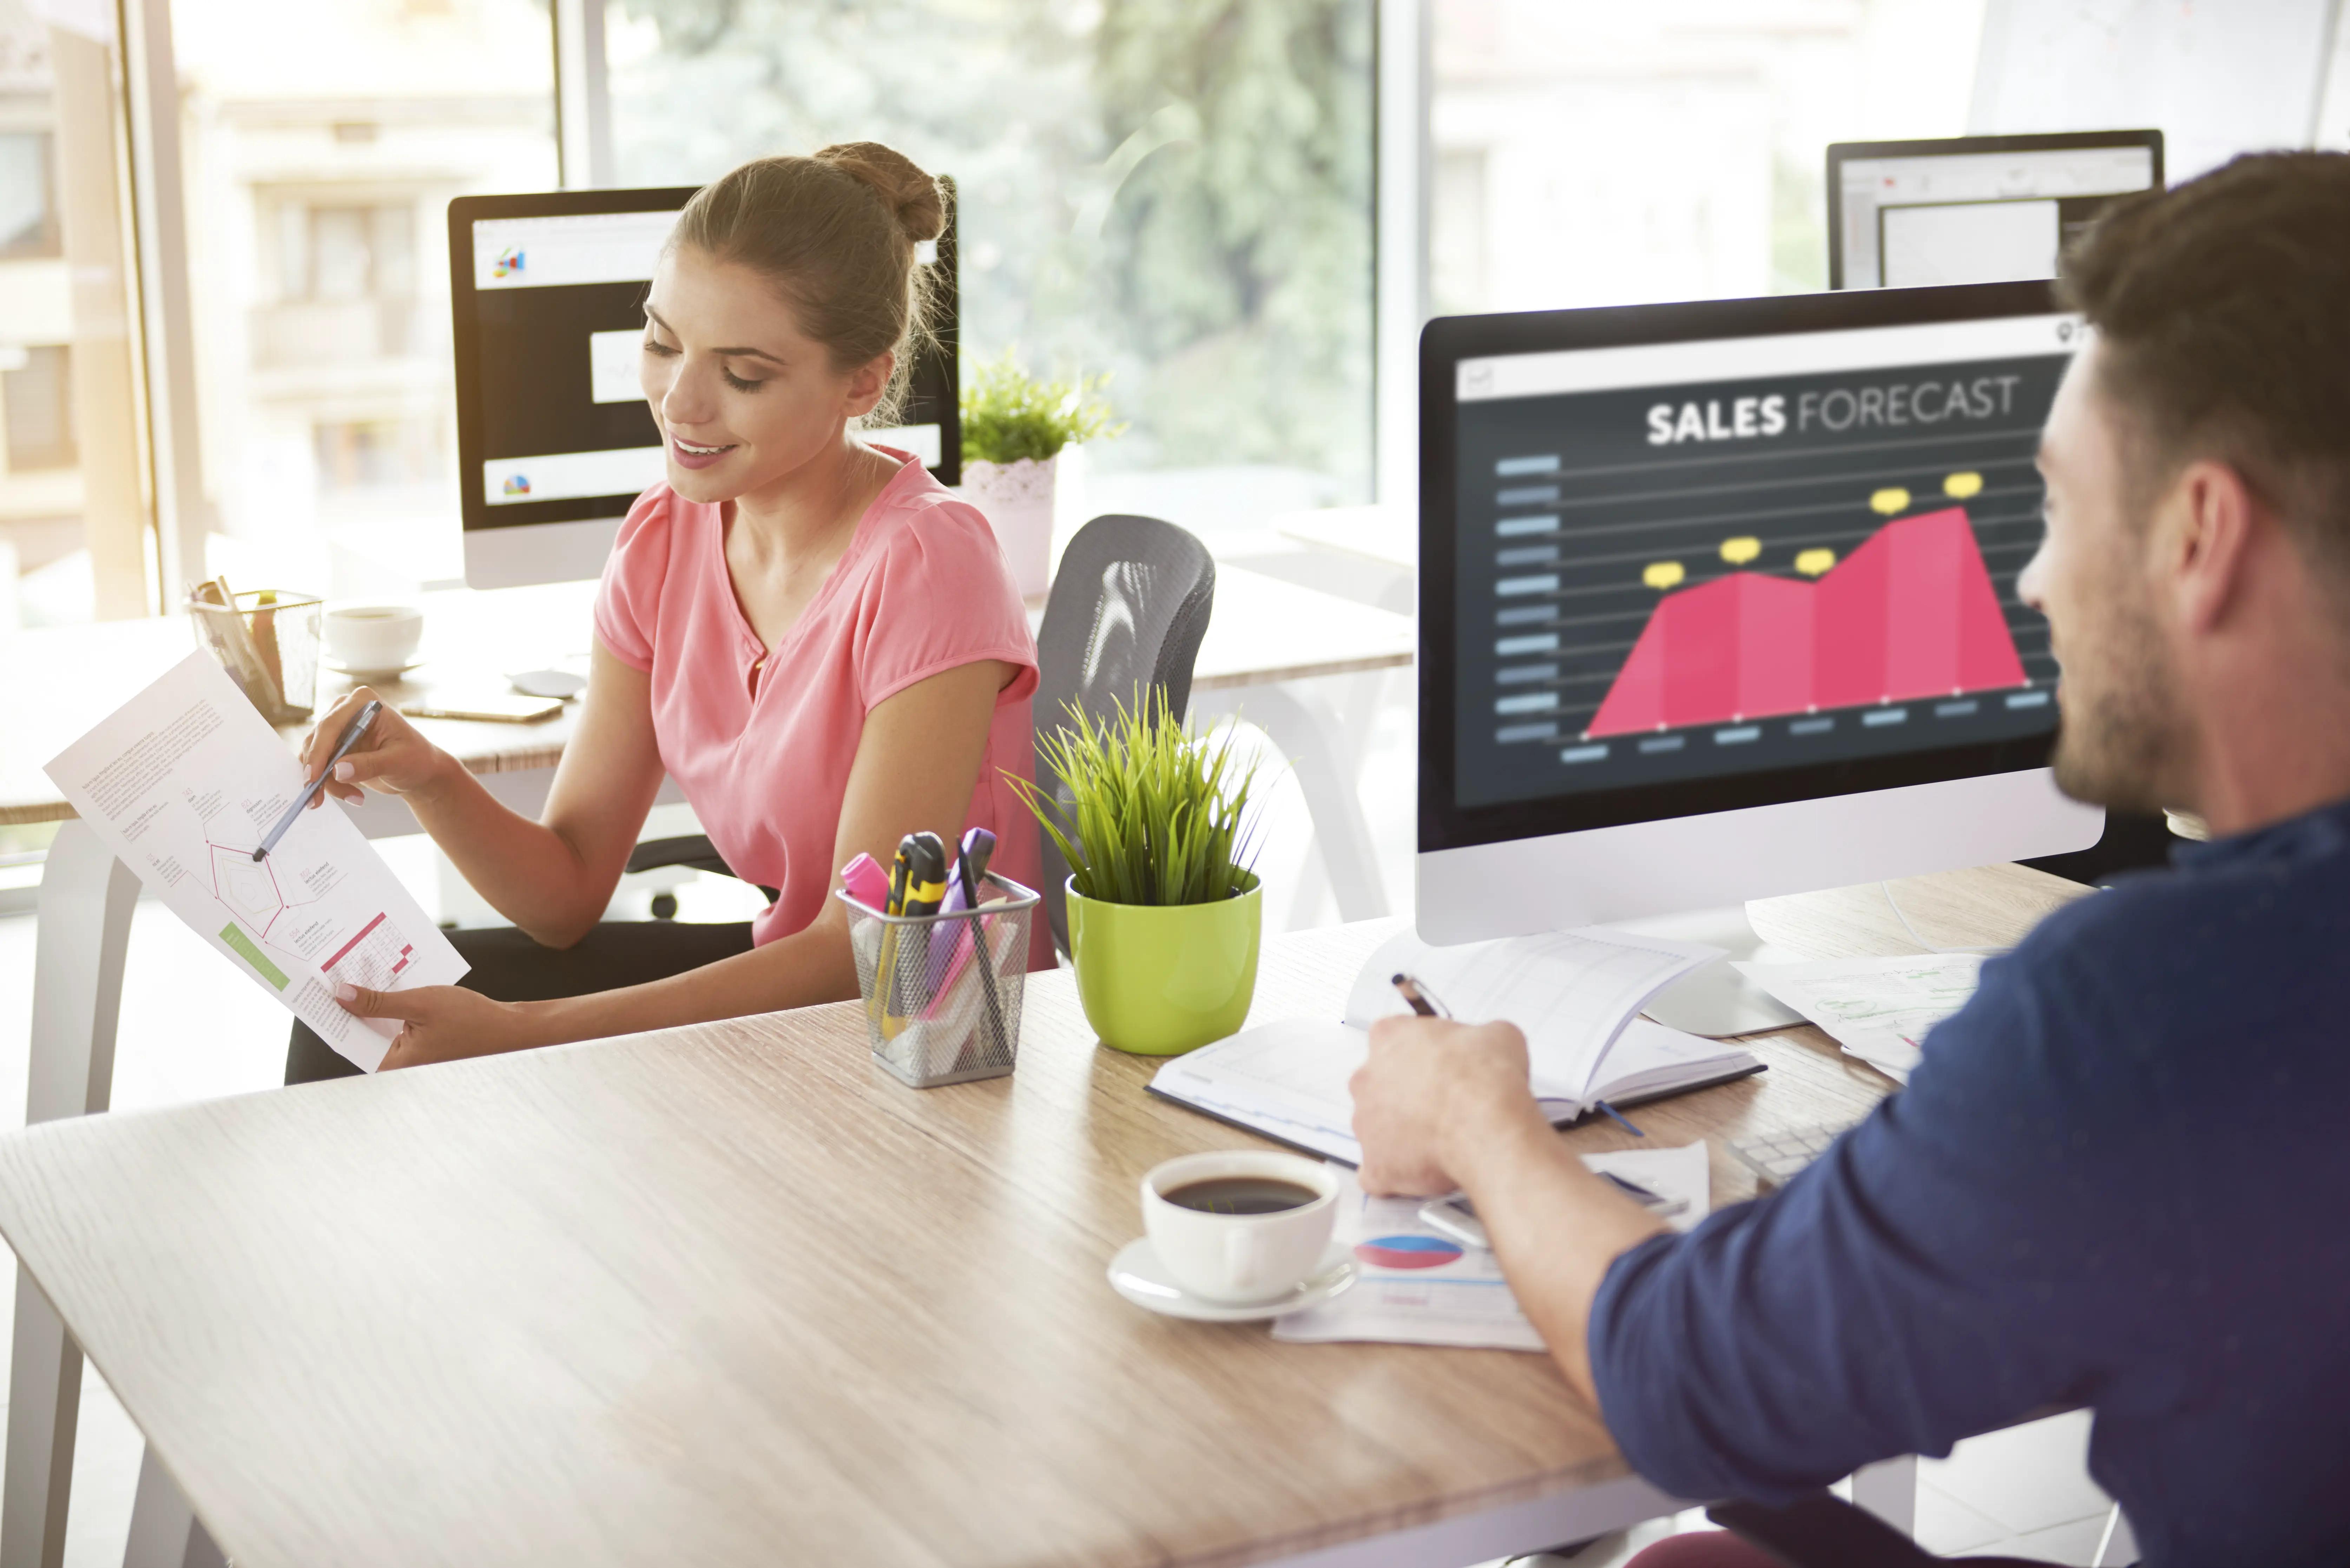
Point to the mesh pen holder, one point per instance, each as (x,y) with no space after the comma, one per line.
(935,1011)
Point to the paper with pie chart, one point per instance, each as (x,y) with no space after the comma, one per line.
(181,783)
(1417,1287)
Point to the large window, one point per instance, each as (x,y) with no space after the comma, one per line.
(1591,152)
(321,145)
(74,540)
(1176,192)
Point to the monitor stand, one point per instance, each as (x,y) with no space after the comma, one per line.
(1717,1001)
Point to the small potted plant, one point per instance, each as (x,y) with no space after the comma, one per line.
(1165,912)
(1013,428)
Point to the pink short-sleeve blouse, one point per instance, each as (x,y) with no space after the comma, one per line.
(763,750)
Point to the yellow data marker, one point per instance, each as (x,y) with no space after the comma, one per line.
(1889,501)
(1812,563)
(1663,575)
(1962,486)
(1741,550)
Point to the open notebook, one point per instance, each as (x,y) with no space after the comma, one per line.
(1574,994)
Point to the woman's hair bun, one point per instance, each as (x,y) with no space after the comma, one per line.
(911,195)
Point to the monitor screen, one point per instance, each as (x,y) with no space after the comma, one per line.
(550,292)
(1680,565)
(1919,214)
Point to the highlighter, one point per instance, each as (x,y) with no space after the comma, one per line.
(866,882)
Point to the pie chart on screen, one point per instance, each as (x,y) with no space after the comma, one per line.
(1407,1252)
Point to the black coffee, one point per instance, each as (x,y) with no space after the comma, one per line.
(1240,1195)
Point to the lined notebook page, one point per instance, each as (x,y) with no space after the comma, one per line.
(1571,992)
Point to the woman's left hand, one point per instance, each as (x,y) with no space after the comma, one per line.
(444,1022)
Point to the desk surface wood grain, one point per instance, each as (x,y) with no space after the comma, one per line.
(730,1294)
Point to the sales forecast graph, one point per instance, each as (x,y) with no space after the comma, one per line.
(1912,613)
(1634,610)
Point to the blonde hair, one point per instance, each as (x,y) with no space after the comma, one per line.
(836,233)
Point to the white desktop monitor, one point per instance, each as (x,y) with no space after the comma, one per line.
(554,439)
(1974,209)
(1717,601)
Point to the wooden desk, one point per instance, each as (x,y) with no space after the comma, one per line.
(1265,637)
(730,1294)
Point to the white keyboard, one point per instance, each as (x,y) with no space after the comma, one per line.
(1778,1157)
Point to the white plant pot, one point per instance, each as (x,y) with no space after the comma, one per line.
(1016,498)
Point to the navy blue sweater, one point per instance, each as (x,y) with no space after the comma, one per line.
(2119,1177)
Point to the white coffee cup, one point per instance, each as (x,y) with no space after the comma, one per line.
(373,640)
(1241,1259)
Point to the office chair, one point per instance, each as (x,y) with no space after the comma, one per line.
(1823,1531)
(1128,606)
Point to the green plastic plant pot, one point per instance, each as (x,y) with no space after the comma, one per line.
(1161,980)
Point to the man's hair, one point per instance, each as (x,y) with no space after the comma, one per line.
(2223,313)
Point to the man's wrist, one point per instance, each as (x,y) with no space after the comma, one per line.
(1493,1128)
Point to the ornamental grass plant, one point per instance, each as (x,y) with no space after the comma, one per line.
(1154,814)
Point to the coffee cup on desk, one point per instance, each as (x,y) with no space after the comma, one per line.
(373,638)
(1240,1226)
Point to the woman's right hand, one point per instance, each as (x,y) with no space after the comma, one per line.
(392,757)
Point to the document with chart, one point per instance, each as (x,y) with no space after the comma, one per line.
(181,783)
(1418,1286)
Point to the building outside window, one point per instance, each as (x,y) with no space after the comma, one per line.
(322,145)
(75,540)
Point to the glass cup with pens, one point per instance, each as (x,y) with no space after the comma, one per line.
(942,952)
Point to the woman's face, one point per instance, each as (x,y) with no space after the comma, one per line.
(743,396)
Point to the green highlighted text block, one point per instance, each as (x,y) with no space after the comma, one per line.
(254,956)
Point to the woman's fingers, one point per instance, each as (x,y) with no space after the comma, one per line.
(323,736)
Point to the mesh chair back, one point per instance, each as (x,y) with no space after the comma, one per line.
(1128,606)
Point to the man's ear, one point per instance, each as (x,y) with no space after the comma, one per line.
(2206,529)
(868,382)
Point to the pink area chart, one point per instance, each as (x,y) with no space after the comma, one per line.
(1911,613)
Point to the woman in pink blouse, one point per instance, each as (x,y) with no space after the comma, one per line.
(813,638)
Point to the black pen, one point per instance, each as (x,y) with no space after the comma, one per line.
(1423,1001)
(351,733)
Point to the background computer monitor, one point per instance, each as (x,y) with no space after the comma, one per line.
(1717,601)
(553,439)
(1973,209)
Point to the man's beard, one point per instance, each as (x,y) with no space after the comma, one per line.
(2121,744)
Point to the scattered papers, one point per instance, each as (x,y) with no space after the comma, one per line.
(181,783)
(1877,1009)
(1418,1287)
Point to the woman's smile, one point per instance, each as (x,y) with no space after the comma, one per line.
(692,454)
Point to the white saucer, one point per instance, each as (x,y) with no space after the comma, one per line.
(558,684)
(1136,1274)
(364,676)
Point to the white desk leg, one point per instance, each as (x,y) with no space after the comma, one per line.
(1308,731)
(86,902)
(1889,1490)
(164,1532)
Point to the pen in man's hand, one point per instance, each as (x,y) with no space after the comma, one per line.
(351,733)
(1422,1001)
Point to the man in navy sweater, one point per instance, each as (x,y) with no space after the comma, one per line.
(2119,1176)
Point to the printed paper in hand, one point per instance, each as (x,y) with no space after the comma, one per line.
(1418,1287)
(1877,1009)
(181,783)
